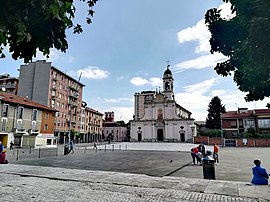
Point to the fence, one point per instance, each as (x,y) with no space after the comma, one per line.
(31,153)
(238,142)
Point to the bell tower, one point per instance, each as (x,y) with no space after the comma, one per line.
(168,83)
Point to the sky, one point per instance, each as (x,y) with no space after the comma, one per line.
(125,51)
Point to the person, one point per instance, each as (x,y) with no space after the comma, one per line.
(3,157)
(215,154)
(202,149)
(95,146)
(71,147)
(260,175)
(11,144)
(1,147)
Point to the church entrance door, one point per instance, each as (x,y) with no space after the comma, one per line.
(160,135)
(139,137)
(182,137)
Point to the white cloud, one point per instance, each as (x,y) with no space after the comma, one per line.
(226,11)
(204,61)
(55,55)
(93,72)
(122,113)
(198,33)
(201,87)
(116,100)
(155,81)
(196,98)
(139,81)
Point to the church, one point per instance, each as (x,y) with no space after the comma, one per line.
(158,117)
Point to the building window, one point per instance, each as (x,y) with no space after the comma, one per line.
(233,124)
(34,115)
(20,113)
(45,127)
(5,110)
(264,123)
(47,116)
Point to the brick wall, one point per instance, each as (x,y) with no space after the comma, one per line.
(250,142)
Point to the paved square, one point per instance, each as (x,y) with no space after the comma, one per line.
(154,159)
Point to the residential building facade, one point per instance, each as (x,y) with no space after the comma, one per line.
(93,125)
(45,84)
(9,84)
(25,122)
(158,117)
(115,131)
(235,123)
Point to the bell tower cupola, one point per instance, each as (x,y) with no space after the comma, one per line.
(168,83)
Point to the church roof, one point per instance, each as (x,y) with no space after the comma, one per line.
(167,71)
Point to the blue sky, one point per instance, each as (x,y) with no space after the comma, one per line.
(126,48)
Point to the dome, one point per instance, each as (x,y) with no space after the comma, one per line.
(167,71)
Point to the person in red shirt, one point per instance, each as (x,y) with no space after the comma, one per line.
(215,154)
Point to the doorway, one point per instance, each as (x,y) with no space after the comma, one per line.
(160,135)
(182,137)
(139,137)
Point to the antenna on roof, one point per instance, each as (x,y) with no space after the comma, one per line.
(80,77)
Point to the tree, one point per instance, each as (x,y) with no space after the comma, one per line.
(244,39)
(28,25)
(215,108)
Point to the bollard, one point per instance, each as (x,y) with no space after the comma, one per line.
(113,147)
(13,151)
(30,150)
(56,150)
(105,148)
(39,151)
(120,147)
(96,149)
(17,158)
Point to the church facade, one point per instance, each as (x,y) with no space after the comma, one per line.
(157,116)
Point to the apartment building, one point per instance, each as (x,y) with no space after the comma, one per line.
(237,122)
(9,84)
(25,122)
(45,84)
(93,125)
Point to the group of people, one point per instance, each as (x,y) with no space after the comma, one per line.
(198,153)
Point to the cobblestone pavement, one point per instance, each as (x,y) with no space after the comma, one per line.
(17,188)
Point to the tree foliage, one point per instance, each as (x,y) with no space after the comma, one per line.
(28,25)
(215,108)
(245,40)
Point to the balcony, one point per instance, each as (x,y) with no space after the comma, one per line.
(20,131)
(10,85)
(74,87)
(33,132)
(73,103)
(74,95)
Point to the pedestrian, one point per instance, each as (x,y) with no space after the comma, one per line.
(95,146)
(1,147)
(215,154)
(260,175)
(71,146)
(11,144)
(193,155)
